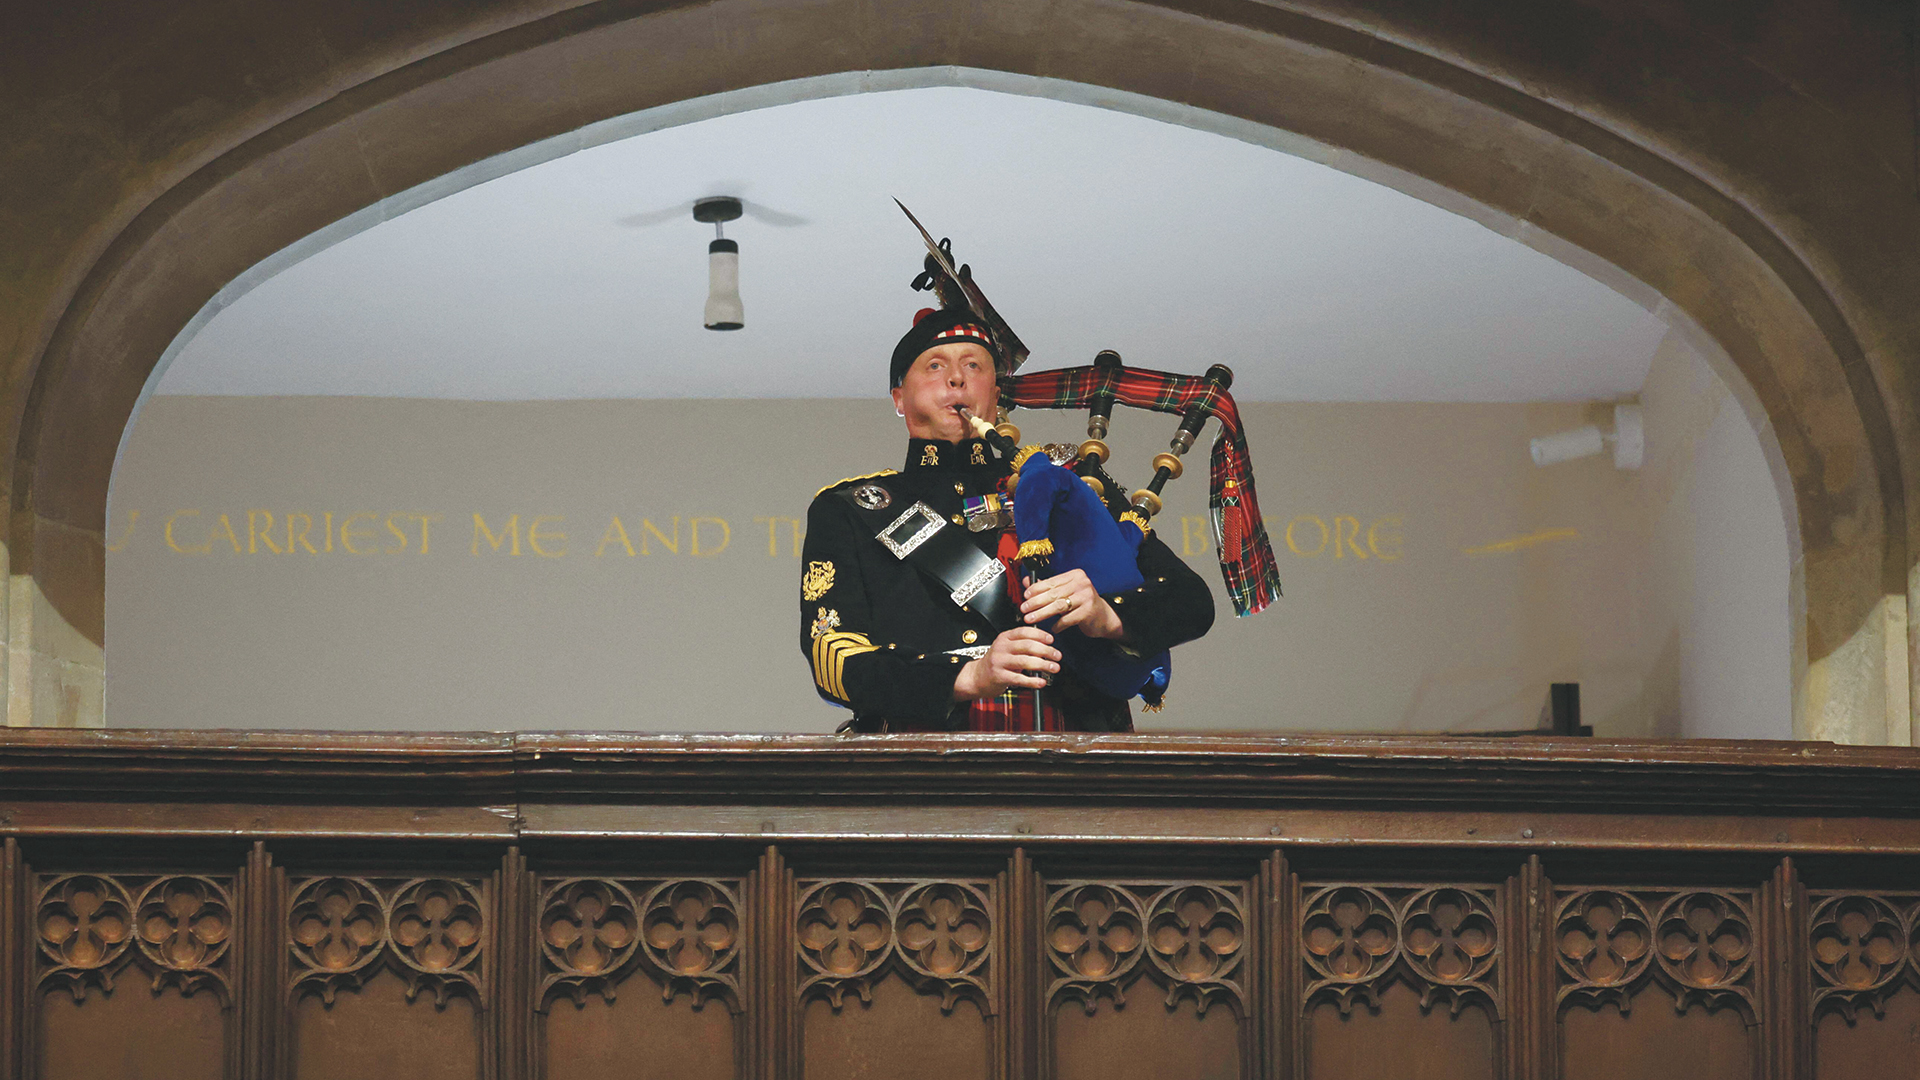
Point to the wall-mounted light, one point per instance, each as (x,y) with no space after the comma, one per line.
(724,310)
(1629,439)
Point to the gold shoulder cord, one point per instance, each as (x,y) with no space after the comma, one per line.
(851,479)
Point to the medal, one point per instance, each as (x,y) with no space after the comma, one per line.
(984,512)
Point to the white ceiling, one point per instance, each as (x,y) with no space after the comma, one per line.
(1088,228)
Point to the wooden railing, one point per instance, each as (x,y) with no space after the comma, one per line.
(322,905)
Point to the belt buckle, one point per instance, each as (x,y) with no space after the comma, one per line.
(911,529)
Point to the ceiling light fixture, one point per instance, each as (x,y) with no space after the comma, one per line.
(1629,439)
(724,310)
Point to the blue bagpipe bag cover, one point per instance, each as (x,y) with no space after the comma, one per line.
(1052,503)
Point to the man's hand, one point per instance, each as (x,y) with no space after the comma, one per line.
(1009,665)
(1070,597)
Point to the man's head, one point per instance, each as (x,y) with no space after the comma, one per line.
(947,359)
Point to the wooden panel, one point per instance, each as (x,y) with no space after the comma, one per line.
(1400,980)
(135,975)
(131,1034)
(638,1036)
(387,977)
(1870,1047)
(1783,966)
(376,1031)
(1400,1040)
(900,1033)
(1655,1042)
(671,948)
(1146,1039)
(1657,983)
(1146,978)
(897,978)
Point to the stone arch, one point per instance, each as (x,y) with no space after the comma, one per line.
(1544,167)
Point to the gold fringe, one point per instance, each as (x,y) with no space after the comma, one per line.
(851,479)
(1138,520)
(1025,452)
(1144,707)
(1031,548)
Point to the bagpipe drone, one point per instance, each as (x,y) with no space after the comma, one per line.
(1069,512)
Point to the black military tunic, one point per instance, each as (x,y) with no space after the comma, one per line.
(886,640)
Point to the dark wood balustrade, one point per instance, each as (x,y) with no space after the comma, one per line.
(489,906)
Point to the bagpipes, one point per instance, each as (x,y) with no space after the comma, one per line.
(1072,514)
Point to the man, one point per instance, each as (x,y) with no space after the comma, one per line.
(882,628)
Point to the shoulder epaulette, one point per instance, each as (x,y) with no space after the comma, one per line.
(851,479)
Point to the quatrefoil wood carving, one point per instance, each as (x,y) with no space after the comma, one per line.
(691,934)
(937,934)
(1860,945)
(1697,944)
(337,927)
(183,926)
(1351,938)
(84,924)
(435,926)
(589,930)
(1704,945)
(1444,940)
(1603,945)
(1448,938)
(178,927)
(343,929)
(1095,935)
(845,932)
(1196,938)
(943,931)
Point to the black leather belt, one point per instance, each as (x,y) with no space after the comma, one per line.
(921,538)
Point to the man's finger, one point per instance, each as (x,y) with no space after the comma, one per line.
(1033,648)
(1065,580)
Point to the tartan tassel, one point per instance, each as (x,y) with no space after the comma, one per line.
(1246,555)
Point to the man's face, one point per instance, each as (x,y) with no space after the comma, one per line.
(960,373)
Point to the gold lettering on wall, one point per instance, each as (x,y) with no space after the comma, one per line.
(726,536)
(306,526)
(672,545)
(536,537)
(1309,536)
(1346,535)
(226,527)
(133,519)
(1385,545)
(369,532)
(1195,531)
(510,530)
(1294,546)
(614,529)
(260,534)
(348,534)
(174,519)
(773,534)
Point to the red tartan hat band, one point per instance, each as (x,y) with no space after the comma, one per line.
(932,329)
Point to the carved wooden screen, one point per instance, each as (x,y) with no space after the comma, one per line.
(742,931)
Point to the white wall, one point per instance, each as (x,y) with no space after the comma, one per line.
(1715,593)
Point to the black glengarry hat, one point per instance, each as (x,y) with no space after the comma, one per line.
(932,328)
